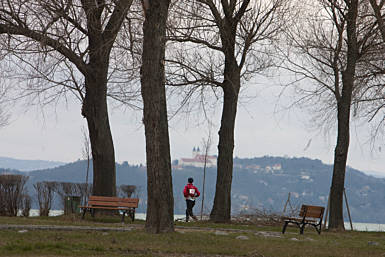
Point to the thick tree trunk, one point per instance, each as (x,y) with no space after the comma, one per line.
(100,41)
(160,203)
(221,211)
(103,155)
(336,220)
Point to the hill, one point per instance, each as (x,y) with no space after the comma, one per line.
(27,165)
(262,183)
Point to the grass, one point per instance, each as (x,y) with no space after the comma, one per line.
(185,242)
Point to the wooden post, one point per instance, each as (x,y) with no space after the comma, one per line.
(287,201)
(206,145)
(327,212)
(203,186)
(347,207)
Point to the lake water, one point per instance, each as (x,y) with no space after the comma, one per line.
(365,226)
(142,216)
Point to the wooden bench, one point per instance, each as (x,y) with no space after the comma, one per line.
(126,205)
(309,215)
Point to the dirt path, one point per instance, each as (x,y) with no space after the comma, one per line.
(130,227)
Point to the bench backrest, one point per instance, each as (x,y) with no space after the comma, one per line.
(113,201)
(310,211)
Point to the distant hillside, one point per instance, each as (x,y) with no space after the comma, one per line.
(262,183)
(27,165)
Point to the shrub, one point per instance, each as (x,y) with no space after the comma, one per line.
(25,205)
(126,190)
(45,194)
(11,193)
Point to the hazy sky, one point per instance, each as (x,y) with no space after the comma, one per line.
(57,135)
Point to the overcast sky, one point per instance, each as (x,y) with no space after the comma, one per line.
(57,135)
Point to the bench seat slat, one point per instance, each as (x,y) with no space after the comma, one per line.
(111,203)
(112,199)
(120,204)
(107,208)
(301,219)
(309,215)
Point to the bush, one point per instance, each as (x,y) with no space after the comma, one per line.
(25,205)
(11,193)
(45,193)
(126,190)
(64,189)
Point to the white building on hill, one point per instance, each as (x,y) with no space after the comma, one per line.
(198,160)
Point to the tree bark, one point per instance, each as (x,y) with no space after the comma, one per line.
(336,220)
(95,109)
(160,203)
(102,147)
(221,211)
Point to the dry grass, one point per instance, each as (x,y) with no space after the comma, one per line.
(187,241)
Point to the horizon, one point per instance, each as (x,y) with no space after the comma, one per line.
(374,173)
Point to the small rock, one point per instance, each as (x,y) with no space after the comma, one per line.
(268,234)
(373,243)
(23,231)
(181,231)
(221,233)
(105,234)
(242,237)
(294,239)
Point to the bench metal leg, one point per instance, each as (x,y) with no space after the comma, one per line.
(301,228)
(84,213)
(133,215)
(284,227)
(124,214)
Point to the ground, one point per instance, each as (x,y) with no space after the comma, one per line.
(106,236)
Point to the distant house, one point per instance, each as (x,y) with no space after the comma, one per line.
(198,160)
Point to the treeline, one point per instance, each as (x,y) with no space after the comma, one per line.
(331,52)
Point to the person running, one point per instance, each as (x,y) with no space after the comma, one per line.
(190,192)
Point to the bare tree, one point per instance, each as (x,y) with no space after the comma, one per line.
(45,194)
(126,190)
(160,200)
(221,44)
(378,7)
(84,191)
(25,206)
(86,156)
(374,99)
(65,40)
(334,47)
(64,189)
(11,193)
(4,116)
